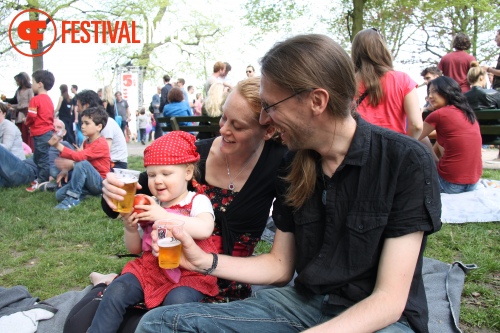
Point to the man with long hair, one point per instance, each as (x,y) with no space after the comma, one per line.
(355,203)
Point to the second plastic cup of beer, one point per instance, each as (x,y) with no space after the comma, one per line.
(170,247)
(130,179)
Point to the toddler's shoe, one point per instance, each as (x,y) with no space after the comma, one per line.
(68,203)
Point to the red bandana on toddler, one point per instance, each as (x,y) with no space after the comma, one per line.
(175,147)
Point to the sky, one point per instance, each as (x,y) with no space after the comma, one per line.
(81,64)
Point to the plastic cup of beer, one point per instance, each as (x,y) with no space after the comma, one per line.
(170,247)
(130,179)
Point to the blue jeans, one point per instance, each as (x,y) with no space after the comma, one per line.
(126,291)
(158,130)
(13,171)
(85,180)
(271,310)
(41,155)
(451,188)
(119,165)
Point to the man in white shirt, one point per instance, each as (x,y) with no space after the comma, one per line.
(15,169)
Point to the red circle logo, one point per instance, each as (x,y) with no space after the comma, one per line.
(29,31)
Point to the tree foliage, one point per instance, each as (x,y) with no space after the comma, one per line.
(422,29)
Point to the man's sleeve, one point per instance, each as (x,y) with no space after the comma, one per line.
(417,200)
(282,213)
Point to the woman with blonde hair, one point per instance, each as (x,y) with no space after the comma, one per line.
(387,98)
(213,103)
(480,98)
(212,106)
(109,101)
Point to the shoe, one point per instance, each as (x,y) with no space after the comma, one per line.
(47,187)
(33,186)
(68,203)
(143,142)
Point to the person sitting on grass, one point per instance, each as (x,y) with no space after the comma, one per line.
(54,170)
(460,166)
(90,164)
(170,162)
(15,169)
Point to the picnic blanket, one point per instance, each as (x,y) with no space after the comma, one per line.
(480,205)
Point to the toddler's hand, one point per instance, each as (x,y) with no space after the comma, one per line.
(152,212)
(130,221)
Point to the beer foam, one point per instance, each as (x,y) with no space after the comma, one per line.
(128,180)
(168,242)
(126,175)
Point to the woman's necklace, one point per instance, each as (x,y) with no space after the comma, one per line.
(231,181)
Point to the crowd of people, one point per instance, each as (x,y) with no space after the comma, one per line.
(352,171)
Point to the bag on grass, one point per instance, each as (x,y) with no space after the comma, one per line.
(443,287)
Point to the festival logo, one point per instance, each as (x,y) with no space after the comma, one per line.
(37,32)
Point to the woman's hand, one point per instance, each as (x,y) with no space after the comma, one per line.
(111,189)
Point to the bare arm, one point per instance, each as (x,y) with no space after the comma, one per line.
(387,302)
(110,142)
(428,128)
(131,236)
(200,226)
(492,70)
(56,110)
(413,113)
(276,267)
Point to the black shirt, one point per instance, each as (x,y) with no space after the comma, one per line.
(482,99)
(387,186)
(496,78)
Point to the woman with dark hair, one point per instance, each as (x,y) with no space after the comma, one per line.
(456,64)
(177,106)
(19,104)
(387,98)
(457,129)
(65,114)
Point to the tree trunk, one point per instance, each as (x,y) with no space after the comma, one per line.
(38,61)
(357,17)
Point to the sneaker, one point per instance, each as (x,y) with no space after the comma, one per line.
(47,187)
(33,186)
(68,203)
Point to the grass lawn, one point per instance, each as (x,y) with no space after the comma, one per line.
(51,251)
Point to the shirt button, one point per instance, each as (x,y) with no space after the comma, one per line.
(428,200)
(360,227)
(320,256)
(427,181)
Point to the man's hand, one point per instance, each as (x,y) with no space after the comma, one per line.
(193,257)
(54,140)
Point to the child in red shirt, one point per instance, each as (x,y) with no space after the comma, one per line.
(91,164)
(40,120)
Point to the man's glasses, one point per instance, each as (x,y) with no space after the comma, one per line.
(249,71)
(266,107)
